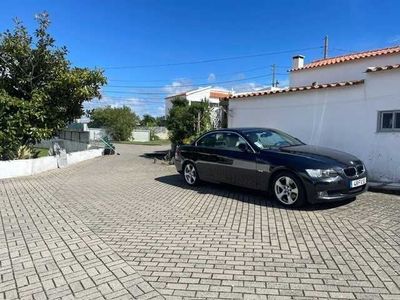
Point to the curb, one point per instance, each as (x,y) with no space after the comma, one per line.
(386,188)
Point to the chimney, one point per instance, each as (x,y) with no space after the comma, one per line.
(298,62)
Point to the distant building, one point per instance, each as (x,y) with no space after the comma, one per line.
(212,95)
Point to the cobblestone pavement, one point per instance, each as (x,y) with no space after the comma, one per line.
(122,227)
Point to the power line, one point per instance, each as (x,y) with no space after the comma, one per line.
(343,50)
(202,77)
(212,59)
(190,85)
(150,99)
(136,93)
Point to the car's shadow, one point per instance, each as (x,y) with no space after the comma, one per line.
(155,154)
(243,194)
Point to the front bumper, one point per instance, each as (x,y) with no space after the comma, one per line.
(326,190)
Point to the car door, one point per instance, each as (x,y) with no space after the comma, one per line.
(238,165)
(207,157)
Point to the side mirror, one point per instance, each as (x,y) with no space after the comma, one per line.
(243,147)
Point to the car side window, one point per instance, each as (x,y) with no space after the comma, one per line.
(209,141)
(231,141)
(226,141)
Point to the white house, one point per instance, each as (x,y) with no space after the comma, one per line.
(349,102)
(209,93)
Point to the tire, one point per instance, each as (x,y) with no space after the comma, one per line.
(190,174)
(288,190)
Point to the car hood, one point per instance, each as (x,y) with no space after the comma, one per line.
(322,154)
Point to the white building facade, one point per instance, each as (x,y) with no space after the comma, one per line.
(209,94)
(350,103)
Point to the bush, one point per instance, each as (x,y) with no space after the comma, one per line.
(118,122)
(186,121)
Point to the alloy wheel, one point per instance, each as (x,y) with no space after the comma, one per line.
(190,174)
(286,190)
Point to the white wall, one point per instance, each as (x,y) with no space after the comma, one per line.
(141,135)
(167,105)
(343,118)
(27,167)
(96,133)
(198,96)
(352,70)
(75,157)
(194,96)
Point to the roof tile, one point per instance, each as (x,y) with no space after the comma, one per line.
(296,89)
(383,68)
(349,57)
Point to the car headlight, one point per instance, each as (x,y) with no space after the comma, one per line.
(320,173)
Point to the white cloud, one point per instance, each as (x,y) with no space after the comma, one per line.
(211,77)
(178,86)
(247,87)
(239,76)
(394,39)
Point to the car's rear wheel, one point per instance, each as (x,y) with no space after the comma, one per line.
(190,174)
(288,189)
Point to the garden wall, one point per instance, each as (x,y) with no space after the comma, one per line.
(27,167)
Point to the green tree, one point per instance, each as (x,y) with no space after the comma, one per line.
(40,92)
(148,121)
(161,121)
(185,122)
(118,121)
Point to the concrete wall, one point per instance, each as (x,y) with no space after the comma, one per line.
(75,157)
(161,132)
(70,146)
(141,135)
(343,118)
(74,135)
(352,70)
(27,167)
(96,133)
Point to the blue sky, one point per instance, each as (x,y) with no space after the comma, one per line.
(128,38)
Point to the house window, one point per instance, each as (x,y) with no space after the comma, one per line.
(389,120)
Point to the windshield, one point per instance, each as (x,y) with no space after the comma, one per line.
(271,139)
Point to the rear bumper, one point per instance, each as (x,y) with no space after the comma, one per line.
(178,165)
(331,191)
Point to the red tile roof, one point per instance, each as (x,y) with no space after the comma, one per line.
(219,94)
(383,68)
(349,57)
(297,89)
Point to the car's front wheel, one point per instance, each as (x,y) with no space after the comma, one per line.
(190,174)
(288,190)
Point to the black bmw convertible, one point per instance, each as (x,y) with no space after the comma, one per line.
(271,160)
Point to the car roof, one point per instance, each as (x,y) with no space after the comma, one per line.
(242,129)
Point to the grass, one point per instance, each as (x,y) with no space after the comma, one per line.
(150,143)
(42,152)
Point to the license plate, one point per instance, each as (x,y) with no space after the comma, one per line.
(358,182)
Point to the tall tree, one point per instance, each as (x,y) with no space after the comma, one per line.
(148,121)
(118,121)
(161,121)
(38,87)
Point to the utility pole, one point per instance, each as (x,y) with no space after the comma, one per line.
(273,75)
(326,46)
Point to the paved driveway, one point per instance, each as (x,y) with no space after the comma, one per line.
(123,227)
